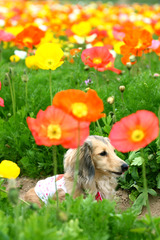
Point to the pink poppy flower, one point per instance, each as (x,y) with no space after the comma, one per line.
(6,37)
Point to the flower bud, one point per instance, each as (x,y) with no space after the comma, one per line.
(155,75)
(132,58)
(110,100)
(6,80)
(86,68)
(11,72)
(150,157)
(34,206)
(122,88)
(87,89)
(63,216)
(129,65)
(24,77)
(13,195)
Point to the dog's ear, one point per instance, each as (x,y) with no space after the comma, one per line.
(86,166)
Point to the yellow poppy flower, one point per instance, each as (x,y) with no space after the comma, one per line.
(9,169)
(30,62)
(14,58)
(81,29)
(48,56)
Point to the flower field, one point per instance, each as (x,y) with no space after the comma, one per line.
(67,71)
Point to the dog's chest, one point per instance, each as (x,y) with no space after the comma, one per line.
(106,186)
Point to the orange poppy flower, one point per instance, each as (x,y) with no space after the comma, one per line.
(29,37)
(82,106)
(134,131)
(74,51)
(126,58)
(54,127)
(136,41)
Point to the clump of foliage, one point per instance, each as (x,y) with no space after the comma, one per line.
(73,219)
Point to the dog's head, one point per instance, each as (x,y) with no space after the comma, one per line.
(96,155)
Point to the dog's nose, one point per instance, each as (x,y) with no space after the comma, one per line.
(124,167)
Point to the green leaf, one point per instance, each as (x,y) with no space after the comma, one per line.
(106,129)
(138,230)
(3,236)
(152,192)
(132,155)
(137,161)
(134,173)
(139,203)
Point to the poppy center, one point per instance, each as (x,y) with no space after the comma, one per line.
(50,63)
(27,40)
(137,135)
(54,131)
(79,109)
(97,60)
(139,45)
(108,65)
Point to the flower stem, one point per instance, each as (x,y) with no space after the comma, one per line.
(1,47)
(50,85)
(145,187)
(12,94)
(54,150)
(114,112)
(99,127)
(76,163)
(26,94)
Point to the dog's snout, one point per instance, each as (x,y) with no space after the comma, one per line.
(124,167)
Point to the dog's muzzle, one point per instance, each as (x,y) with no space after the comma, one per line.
(124,167)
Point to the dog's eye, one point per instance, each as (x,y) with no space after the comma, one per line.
(104,153)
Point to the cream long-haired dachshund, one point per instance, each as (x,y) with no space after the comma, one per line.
(99,168)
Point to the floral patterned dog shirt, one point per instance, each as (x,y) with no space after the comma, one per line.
(46,188)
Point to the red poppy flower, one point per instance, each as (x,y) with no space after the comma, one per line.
(54,127)
(97,57)
(134,131)
(29,37)
(100,58)
(82,106)
(100,35)
(1,102)
(1,99)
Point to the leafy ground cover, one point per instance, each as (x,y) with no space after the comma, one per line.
(25,89)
